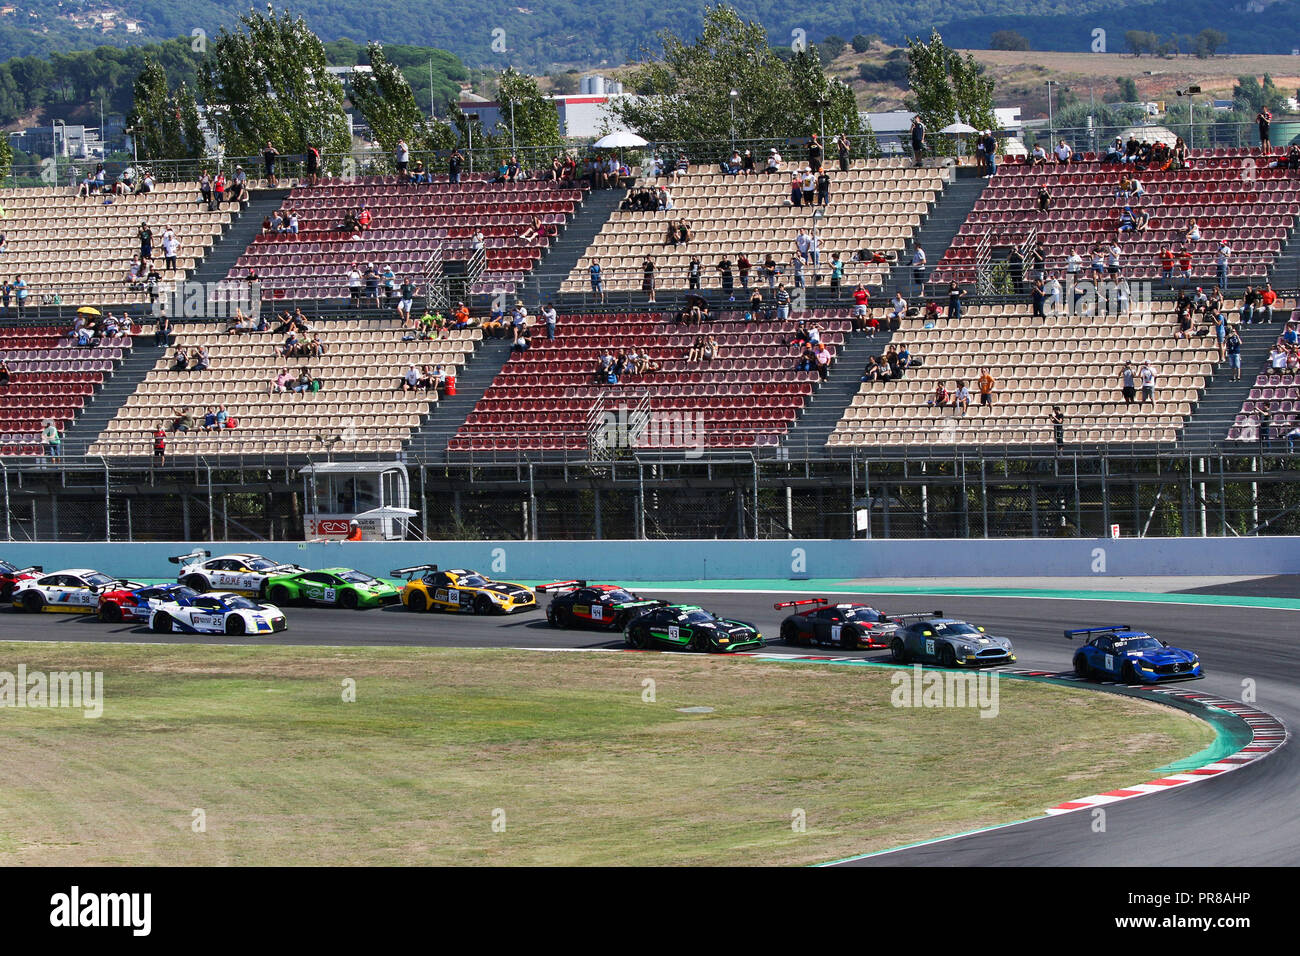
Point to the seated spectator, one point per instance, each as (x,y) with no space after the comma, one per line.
(807,360)
(1064,154)
(774,161)
(5,375)
(210,419)
(282,382)
(961,397)
(931,313)
(696,351)
(180,359)
(183,420)
(291,345)
(364,217)
(1127,223)
(1115,152)
(1038,156)
(939,398)
(304,381)
(315,347)
(875,370)
(1193,232)
(604,374)
(200,362)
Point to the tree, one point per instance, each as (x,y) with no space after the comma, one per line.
(947,87)
(385,99)
(1007,40)
(1208,42)
(860,43)
(1128,89)
(268,80)
(688,88)
(832,46)
(6,158)
(1139,42)
(166,124)
(527,117)
(1250,96)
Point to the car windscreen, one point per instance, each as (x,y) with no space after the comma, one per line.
(1138,644)
(261,564)
(181,594)
(862,614)
(357,577)
(239,604)
(472,581)
(694,617)
(7,568)
(954,629)
(98,579)
(619,596)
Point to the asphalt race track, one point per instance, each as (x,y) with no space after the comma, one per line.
(1246,818)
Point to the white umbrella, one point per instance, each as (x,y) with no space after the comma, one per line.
(619,141)
(959,128)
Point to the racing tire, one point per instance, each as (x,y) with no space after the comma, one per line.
(636,639)
(33,601)
(1081,668)
(898,651)
(417,602)
(947,656)
(235,625)
(482,605)
(848,640)
(348,600)
(162,624)
(110,613)
(1129,675)
(196,582)
(790,635)
(700,643)
(279,595)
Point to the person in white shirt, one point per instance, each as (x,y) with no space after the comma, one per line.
(1063,152)
(1053,290)
(1277,359)
(1038,157)
(899,306)
(1147,376)
(801,243)
(918,267)
(961,399)
(171,246)
(1193,232)
(354,286)
(774,161)
(814,255)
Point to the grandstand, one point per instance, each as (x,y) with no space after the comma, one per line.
(77,251)
(51,381)
(1231,194)
(877,205)
(410,224)
(360,408)
(748,395)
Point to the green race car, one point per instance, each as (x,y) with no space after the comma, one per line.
(689,628)
(333,587)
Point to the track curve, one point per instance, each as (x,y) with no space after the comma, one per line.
(1248,817)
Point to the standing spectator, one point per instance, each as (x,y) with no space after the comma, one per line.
(837,274)
(797,267)
(454,165)
(1039,297)
(51,438)
(986,385)
(1147,376)
(823,188)
(842,145)
(796,189)
(171,246)
(597,284)
(770,271)
(145,235)
(162,330)
(1233,347)
(1167,264)
(159,444)
(782,298)
(1221,334)
(861,299)
(549,317)
(1264,119)
(312,163)
(815,154)
(1266,426)
(728,281)
(918,268)
(20,292)
(917,133)
(648,277)
(354,286)
(402,157)
(405,298)
(269,153)
(693,271)
(1128,383)
(743,265)
(1058,425)
(1221,261)
(955,295)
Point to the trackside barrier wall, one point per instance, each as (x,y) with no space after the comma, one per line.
(717,560)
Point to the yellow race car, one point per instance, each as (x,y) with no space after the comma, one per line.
(456,589)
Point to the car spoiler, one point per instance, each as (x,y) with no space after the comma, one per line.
(916,615)
(561,586)
(182,558)
(1071,634)
(785,604)
(414,570)
(656,602)
(37,568)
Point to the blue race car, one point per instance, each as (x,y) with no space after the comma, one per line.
(1117,652)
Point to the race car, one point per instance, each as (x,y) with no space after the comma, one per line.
(218,612)
(332,587)
(244,573)
(932,638)
(127,604)
(11,574)
(1117,652)
(850,626)
(606,607)
(456,589)
(72,591)
(686,627)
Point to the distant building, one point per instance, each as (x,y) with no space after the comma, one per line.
(581,116)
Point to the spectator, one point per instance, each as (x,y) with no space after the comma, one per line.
(1221,334)
(210,419)
(727,280)
(1064,154)
(842,147)
(550,318)
(986,385)
(796,189)
(1266,300)
(1115,152)
(201,361)
(770,271)
(808,179)
(160,444)
(939,398)
(304,382)
(782,299)
(171,246)
(401,157)
(5,376)
(1265,415)
(918,268)
(898,309)
(823,188)
(180,359)
(597,283)
(282,382)
(1057,419)
(269,154)
(961,398)
(1193,233)
(1128,383)
(1038,156)
(454,165)
(822,356)
(693,271)
(1264,120)
(1221,262)
(774,161)
(183,420)
(1233,348)
(648,278)
(1044,199)
(837,274)
(917,135)
(1147,377)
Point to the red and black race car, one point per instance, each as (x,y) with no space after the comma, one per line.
(848,626)
(135,602)
(10,575)
(607,607)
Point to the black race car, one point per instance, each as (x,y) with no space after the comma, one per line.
(686,627)
(606,607)
(850,626)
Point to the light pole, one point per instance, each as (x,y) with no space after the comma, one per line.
(733,96)
(1190,92)
(1051,129)
(512,129)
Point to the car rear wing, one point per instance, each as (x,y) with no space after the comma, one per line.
(34,569)
(561,586)
(197,555)
(412,571)
(1075,632)
(785,604)
(631,604)
(916,616)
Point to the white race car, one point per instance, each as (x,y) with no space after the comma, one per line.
(72,591)
(221,612)
(245,573)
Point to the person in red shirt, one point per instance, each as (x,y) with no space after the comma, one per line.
(1166,263)
(160,445)
(1266,300)
(364,217)
(1185,263)
(861,299)
(354,531)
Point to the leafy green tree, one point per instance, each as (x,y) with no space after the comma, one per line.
(832,46)
(947,86)
(6,158)
(1128,89)
(1208,42)
(385,99)
(1139,42)
(268,80)
(1249,96)
(1008,40)
(166,123)
(527,117)
(860,43)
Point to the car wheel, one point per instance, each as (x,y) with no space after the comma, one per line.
(482,605)
(162,623)
(947,656)
(636,638)
(1129,674)
(1081,668)
(196,582)
(417,601)
(849,639)
(898,651)
(700,642)
(235,624)
(110,613)
(279,595)
(348,599)
(33,601)
(790,634)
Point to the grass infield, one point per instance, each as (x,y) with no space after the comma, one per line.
(451,756)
